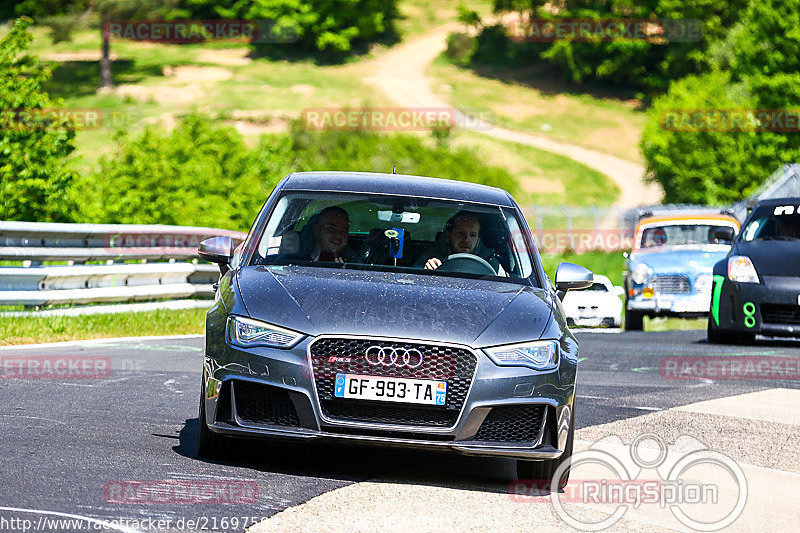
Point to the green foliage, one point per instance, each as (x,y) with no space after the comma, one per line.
(371,152)
(318,25)
(757,69)
(625,63)
(34,176)
(202,173)
(609,264)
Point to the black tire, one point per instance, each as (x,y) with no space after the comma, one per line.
(717,336)
(542,471)
(634,320)
(209,444)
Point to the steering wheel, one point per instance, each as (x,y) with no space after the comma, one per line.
(467,263)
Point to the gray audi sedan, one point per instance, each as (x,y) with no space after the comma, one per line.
(391,310)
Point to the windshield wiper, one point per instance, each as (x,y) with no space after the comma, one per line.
(778,238)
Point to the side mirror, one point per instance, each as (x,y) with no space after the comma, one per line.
(617,290)
(217,250)
(571,277)
(723,233)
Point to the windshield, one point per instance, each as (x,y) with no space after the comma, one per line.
(679,235)
(775,222)
(395,234)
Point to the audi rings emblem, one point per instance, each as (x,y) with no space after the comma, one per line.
(389,356)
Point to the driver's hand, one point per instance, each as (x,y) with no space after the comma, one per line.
(433,263)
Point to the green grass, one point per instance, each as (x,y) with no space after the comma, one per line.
(26,330)
(544,178)
(529,102)
(419,16)
(674,324)
(608,264)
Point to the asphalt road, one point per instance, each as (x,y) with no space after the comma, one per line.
(64,442)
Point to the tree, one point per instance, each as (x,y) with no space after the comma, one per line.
(35,139)
(756,68)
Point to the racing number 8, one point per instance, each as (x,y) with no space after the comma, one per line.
(749,310)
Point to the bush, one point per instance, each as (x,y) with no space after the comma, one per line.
(202,173)
(34,174)
(319,25)
(757,68)
(629,64)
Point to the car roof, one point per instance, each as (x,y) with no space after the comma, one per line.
(686,216)
(778,201)
(398,184)
(599,278)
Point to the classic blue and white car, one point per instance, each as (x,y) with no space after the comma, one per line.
(669,271)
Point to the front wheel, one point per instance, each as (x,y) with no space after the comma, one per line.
(543,471)
(209,444)
(634,320)
(717,336)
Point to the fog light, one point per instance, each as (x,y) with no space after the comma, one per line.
(648,292)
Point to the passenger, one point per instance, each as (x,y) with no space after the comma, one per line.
(332,231)
(461,236)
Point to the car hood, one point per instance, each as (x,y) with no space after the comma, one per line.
(695,260)
(319,300)
(773,257)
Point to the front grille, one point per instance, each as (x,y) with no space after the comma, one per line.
(264,404)
(443,363)
(780,314)
(384,413)
(671,285)
(512,423)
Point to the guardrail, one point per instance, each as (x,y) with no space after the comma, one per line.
(76,283)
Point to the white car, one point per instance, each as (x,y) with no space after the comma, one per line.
(599,305)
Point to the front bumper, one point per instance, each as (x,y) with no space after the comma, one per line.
(283,385)
(771,307)
(671,304)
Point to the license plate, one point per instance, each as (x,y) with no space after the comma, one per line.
(424,391)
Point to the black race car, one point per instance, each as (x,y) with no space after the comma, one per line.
(756,289)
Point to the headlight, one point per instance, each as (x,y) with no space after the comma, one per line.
(703,284)
(539,355)
(247,333)
(741,269)
(641,273)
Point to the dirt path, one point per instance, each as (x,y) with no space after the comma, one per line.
(400,74)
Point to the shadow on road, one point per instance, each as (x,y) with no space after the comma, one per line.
(358,462)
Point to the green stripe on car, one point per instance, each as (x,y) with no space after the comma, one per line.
(718,280)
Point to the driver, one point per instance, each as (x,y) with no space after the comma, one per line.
(788,227)
(461,236)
